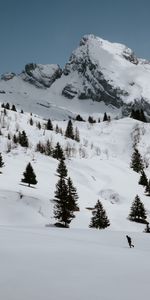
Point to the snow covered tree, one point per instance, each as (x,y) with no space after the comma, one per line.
(91,120)
(48,148)
(58,152)
(1,162)
(49,125)
(137,212)
(69,130)
(29,175)
(143,179)
(72,196)
(13,108)
(99,219)
(137,161)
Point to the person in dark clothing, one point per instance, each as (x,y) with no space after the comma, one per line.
(129,241)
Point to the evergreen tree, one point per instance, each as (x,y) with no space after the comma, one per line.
(147,228)
(7,106)
(105,118)
(143,179)
(69,130)
(136,161)
(77,135)
(91,120)
(58,152)
(57,128)
(15,139)
(72,196)
(79,118)
(62,211)
(49,125)
(13,108)
(147,189)
(31,121)
(62,169)
(29,175)
(137,212)
(99,219)
(22,139)
(39,125)
(1,162)
(48,148)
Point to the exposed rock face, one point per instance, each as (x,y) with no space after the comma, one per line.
(41,75)
(8,76)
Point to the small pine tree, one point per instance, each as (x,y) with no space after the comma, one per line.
(137,212)
(49,125)
(77,135)
(7,106)
(13,108)
(57,129)
(58,152)
(105,118)
(69,130)
(147,189)
(143,179)
(147,228)
(91,120)
(99,219)
(72,196)
(29,175)
(22,139)
(39,125)
(31,121)
(15,139)
(48,148)
(1,162)
(136,161)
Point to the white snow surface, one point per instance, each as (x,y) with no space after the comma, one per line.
(47,263)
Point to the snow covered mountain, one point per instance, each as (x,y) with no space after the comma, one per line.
(107,75)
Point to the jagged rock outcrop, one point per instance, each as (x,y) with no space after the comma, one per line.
(41,75)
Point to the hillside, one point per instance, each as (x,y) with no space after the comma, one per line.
(99,166)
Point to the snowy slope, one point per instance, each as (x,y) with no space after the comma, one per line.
(99,167)
(72,264)
(99,76)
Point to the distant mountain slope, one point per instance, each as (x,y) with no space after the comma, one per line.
(97,71)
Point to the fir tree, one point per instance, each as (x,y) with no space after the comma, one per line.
(7,106)
(15,139)
(13,108)
(105,118)
(62,169)
(31,121)
(147,189)
(72,196)
(137,212)
(91,120)
(29,175)
(22,139)
(49,125)
(99,219)
(62,211)
(58,152)
(77,135)
(136,161)
(48,148)
(147,228)
(1,162)
(69,130)
(79,118)
(143,179)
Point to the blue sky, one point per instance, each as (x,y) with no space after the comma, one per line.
(45,31)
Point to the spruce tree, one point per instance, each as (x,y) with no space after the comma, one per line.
(62,211)
(77,135)
(137,212)
(72,196)
(49,125)
(147,189)
(147,228)
(22,139)
(136,161)
(99,219)
(29,175)
(58,152)
(1,162)
(48,148)
(62,169)
(143,179)
(69,130)
(105,118)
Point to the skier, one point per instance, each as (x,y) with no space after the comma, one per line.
(129,241)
